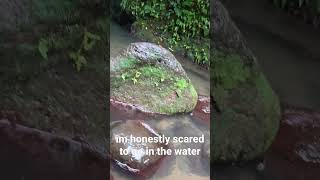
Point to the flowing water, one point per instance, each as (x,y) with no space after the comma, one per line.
(173,167)
(293,74)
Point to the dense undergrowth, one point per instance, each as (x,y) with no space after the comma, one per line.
(313,5)
(55,32)
(76,41)
(309,10)
(181,24)
(78,33)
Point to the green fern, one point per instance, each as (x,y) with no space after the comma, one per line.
(89,40)
(78,60)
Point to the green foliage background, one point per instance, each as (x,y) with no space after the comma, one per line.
(187,22)
(313,5)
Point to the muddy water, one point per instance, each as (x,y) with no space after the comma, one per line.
(173,167)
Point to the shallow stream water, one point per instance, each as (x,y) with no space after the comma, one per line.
(184,125)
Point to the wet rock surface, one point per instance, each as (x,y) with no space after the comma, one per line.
(295,153)
(299,135)
(249,110)
(149,78)
(202,109)
(174,166)
(28,153)
(137,161)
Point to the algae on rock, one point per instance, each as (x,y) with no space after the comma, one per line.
(149,78)
(248,114)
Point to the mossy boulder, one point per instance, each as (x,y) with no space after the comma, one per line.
(148,77)
(45,91)
(247,111)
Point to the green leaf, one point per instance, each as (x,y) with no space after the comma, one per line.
(137,74)
(89,40)
(43,48)
(78,60)
(134,80)
(92,36)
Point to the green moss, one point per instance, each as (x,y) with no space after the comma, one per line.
(229,70)
(156,88)
(220,95)
(271,107)
(154,72)
(249,109)
(267,95)
(124,63)
(237,137)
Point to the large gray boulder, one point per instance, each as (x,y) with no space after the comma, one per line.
(148,77)
(247,111)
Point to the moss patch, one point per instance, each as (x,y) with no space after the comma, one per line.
(154,88)
(229,71)
(124,63)
(249,116)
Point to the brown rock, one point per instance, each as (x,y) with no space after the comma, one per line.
(137,161)
(202,109)
(29,153)
(295,153)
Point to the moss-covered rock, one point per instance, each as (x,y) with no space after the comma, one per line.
(149,78)
(46,90)
(247,112)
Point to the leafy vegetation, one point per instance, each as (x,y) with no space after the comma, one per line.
(313,5)
(78,57)
(183,24)
(74,39)
(154,75)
